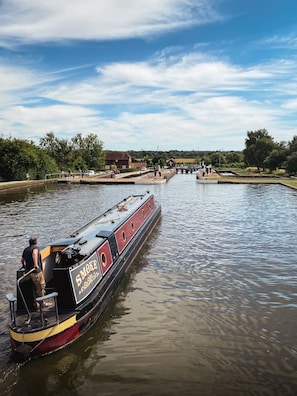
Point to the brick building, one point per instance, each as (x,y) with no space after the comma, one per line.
(118,160)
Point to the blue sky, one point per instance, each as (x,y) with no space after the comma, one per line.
(149,74)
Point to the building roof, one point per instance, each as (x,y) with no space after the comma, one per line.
(116,155)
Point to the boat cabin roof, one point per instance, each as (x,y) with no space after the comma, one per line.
(93,234)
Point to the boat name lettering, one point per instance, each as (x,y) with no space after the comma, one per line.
(85,277)
(88,282)
(89,268)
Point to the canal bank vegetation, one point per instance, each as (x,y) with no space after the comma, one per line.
(24,160)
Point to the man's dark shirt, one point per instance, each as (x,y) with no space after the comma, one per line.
(28,257)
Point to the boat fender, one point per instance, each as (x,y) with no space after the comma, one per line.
(58,258)
(22,353)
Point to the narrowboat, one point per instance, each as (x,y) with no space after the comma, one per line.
(82,272)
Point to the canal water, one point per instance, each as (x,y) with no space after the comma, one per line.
(209,307)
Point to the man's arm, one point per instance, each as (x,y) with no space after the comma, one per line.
(35,258)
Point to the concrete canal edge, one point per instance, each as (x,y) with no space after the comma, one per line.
(140,178)
(21,184)
(131,178)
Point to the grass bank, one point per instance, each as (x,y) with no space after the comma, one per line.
(254,176)
(258,180)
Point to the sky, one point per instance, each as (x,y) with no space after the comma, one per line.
(149,74)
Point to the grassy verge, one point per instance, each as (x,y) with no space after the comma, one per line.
(289,183)
(252,175)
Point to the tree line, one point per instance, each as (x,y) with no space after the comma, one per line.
(21,158)
(261,151)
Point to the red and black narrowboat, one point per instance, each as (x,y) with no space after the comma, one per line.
(82,271)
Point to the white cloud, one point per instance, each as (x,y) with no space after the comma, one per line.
(290,104)
(281,41)
(33,123)
(175,99)
(15,79)
(187,102)
(40,20)
(157,82)
(187,73)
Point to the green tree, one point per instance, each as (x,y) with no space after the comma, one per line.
(148,160)
(58,149)
(291,165)
(45,165)
(292,146)
(259,144)
(234,157)
(88,152)
(80,152)
(216,158)
(20,157)
(277,157)
(159,158)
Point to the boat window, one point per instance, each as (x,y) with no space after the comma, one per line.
(103,259)
(124,236)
